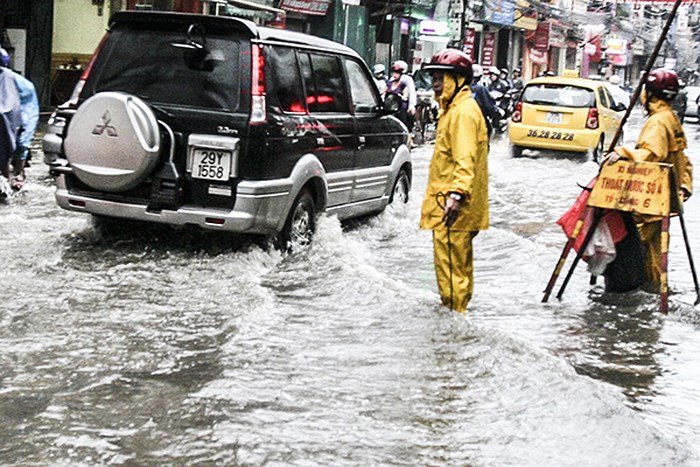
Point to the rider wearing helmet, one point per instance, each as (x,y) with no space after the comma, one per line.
(379,72)
(455,206)
(402,84)
(518,83)
(485,100)
(661,140)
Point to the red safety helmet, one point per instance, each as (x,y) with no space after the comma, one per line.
(663,84)
(451,61)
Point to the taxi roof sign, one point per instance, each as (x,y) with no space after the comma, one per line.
(570,73)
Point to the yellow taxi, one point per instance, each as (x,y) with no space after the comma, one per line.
(564,114)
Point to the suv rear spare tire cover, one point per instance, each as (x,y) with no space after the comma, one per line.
(113,141)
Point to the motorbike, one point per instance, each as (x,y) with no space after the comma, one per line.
(505,102)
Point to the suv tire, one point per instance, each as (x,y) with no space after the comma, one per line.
(300,226)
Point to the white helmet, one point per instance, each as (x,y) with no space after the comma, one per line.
(615,79)
(378,69)
(400,66)
(477,71)
(494,70)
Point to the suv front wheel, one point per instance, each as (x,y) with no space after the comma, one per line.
(301,224)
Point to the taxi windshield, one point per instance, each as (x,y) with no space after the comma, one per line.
(558,94)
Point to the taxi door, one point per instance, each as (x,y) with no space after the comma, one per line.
(609,118)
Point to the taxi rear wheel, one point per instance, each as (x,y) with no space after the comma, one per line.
(516,151)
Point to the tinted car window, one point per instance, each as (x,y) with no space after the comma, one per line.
(363,99)
(159,67)
(558,94)
(325,90)
(285,91)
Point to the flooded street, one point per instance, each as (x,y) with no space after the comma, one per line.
(155,346)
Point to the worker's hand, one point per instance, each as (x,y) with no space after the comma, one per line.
(611,157)
(452,208)
(684,194)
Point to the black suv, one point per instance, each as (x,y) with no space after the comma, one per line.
(216,122)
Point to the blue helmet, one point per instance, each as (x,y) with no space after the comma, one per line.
(4,57)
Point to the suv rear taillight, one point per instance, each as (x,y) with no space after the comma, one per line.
(592,119)
(258,113)
(86,74)
(517,114)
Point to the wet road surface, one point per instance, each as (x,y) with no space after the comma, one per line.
(148,346)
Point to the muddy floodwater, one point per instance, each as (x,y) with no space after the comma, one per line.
(146,345)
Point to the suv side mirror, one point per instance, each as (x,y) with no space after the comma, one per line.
(392,103)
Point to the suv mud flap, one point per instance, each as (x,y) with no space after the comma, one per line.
(166,191)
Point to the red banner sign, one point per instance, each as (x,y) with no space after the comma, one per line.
(469,42)
(487,53)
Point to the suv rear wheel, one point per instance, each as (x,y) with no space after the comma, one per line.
(301,224)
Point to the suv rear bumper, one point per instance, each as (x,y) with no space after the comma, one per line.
(260,208)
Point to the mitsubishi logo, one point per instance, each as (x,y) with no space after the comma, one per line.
(103,127)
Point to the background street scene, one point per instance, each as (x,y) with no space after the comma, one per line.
(155,345)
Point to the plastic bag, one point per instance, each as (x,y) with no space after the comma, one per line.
(601,249)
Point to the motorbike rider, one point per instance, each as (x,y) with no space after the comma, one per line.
(518,83)
(402,84)
(661,140)
(500,91)
(488,107)
(379,73)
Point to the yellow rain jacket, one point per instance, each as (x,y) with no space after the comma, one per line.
(459,163)
(661,140)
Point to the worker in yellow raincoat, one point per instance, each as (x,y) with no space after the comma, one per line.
(455,206)
(661,140)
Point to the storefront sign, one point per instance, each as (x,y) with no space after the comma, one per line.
(641,187)
(538,56)
(526,15)
(616,47)
(487,53)
(557,36)
(307,7)
(501,11)
(541,39)
(469,43)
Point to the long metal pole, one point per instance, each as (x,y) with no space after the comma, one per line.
(642,80)
(679,208)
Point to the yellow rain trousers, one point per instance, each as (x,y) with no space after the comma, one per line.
(661,140)
(460,165)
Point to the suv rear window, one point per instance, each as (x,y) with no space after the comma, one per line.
(558,94)
(157,66)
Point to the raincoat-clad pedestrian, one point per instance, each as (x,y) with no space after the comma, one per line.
(661,140)
(29,105)
(10,116)
(455,206)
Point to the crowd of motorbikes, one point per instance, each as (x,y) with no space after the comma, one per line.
(504,93)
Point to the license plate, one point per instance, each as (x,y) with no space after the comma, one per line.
(554,117)
(211,164)
(548,134)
